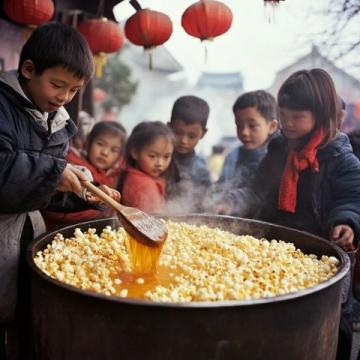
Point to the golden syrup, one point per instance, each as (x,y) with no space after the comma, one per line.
(144,259)
(146,272)
(164,276)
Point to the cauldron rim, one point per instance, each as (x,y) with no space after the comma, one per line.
(344,268)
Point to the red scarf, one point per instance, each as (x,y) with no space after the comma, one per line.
(298,161)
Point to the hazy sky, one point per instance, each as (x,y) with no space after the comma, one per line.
(253,46)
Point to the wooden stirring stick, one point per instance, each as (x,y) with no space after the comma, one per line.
(139,225)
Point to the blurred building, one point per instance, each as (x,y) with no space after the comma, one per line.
(220,89)
(347,86)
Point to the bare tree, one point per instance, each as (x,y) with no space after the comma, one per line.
(341,37)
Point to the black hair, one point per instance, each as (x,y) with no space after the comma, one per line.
(145,133)
(354,137)
(190,109)
(263,101)
(56,44)
(313,90)
(106,127)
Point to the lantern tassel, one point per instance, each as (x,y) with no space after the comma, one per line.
(150,61)
(206,50)
(100,60)
(270,10)
(149,51)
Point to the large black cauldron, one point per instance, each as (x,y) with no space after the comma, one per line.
(71,324)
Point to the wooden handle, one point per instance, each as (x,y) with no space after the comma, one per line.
(101,195)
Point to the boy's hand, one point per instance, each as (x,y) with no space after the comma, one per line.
(70,180)
(114,194)
(343,235)
(223,209)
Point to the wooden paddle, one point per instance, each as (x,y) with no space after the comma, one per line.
(139,225)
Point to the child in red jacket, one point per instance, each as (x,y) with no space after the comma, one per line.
(148,155)
(104,149)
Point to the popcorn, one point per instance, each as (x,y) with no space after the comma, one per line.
(198,263)
(124,293)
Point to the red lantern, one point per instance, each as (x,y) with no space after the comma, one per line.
(207,19)
(29,12)
(148,28)
(103,36)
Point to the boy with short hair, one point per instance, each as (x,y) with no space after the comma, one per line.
(35,129)
(256,122)
(189,177)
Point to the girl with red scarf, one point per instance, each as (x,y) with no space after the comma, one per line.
(310,178)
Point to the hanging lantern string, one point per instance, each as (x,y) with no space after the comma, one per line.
(100,9)
(135,5)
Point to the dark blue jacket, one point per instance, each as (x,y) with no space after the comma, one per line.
(324,199)
(31,158)
(31,163)
(241,165)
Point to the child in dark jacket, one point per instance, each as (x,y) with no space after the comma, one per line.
(188,177)
(35,129)
(309,177)
(148,155)
(102,157)
(256,121)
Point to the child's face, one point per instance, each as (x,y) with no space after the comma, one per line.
(153,159)
(186,135)
(296,124)
(252,128)
(105,151)
(52,89)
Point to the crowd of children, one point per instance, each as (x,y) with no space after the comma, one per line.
(292,167)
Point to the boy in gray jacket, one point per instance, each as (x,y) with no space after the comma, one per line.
(189,177)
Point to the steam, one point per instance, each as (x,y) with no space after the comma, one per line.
(186,199)
(236,193)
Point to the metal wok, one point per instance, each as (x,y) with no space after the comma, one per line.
(73,324)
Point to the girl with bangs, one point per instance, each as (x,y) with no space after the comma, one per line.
(309,179)
(148,154)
